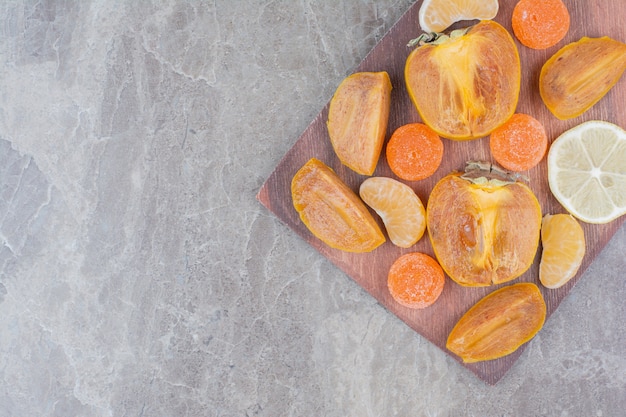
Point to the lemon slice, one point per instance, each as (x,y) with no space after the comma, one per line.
(438,15)
(587,172)
(398,206)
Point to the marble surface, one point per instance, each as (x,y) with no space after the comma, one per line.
(139,276)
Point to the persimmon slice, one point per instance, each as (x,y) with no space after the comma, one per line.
(578,75)
(332,211)
(498,324)
(357,119)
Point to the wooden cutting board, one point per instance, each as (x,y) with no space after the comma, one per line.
(370,270)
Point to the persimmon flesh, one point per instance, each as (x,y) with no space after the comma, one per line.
(498,324)
(483,230)
(332,211)
(466,84)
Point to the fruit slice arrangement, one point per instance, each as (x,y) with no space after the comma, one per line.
(484,228)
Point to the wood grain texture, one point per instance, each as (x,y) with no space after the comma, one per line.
(370,270)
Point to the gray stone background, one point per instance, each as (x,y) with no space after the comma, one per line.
(139,276)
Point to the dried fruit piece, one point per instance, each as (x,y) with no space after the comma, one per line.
(466,84)
(414,152)
(563,242)
(398,206)
(586,171)
(580,74)
(332,211)
(357,119)
(438,15)
(498,324)
(483,226)
(520,143)
(415,280)
(540,24)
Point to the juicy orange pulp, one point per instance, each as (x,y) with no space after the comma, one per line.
(563,241)
(398,206)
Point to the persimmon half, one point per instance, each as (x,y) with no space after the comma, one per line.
(465,84)
(484,227)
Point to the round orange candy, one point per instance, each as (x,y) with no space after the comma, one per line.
(520,143)
(415,280)
(414,152)
(540,24)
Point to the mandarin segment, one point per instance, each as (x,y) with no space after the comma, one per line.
(438,15)
(332,211)
(398,206)
(563,242)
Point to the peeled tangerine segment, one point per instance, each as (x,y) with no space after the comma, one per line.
(398,206)
(466,84)
(577,76)
(483,231)
(438,15)
(332,211)
(357,119)
(563,242)
(498,324)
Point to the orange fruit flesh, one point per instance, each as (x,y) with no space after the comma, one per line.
(483,232)
(398,206)
(357,119)
(332,211)
(498,324)
(467,85)
(563,241)
(438,15)
(578,75)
